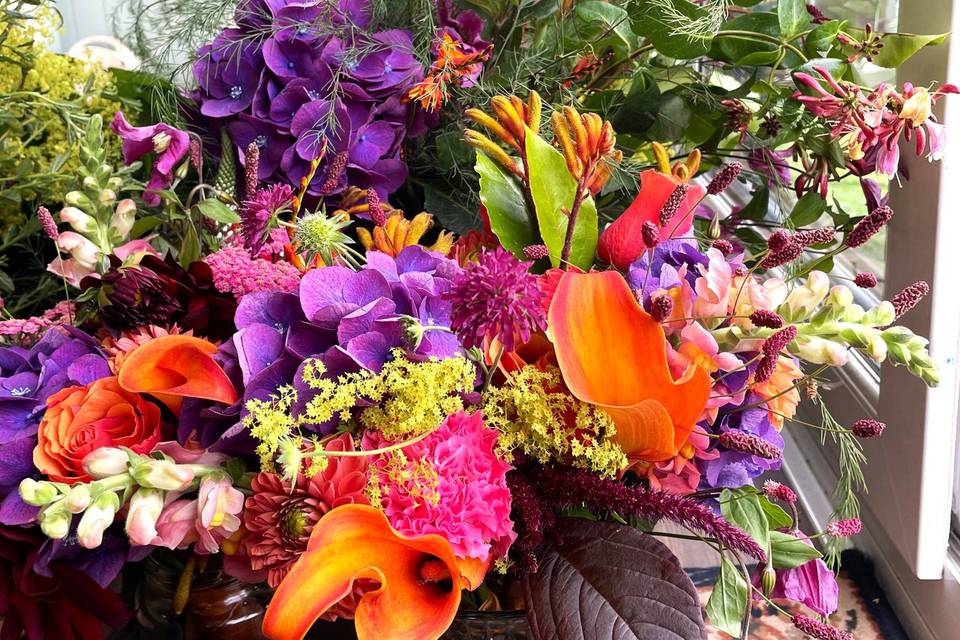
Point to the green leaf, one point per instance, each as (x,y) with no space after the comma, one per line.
(742,508)
(640,107)
(501,195)
(145,225)
(808,209)
(777,518)
(899,47)
(758,206)
(218,211)
(603,25)
(745,50)
(190,248)
(459,215)
(793,17)
(652,19)
(789,552)
(672,119)
(553,190)
(729,600)
(822,38)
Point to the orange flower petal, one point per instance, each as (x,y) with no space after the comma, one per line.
(176,367)
(353,542)
(612,354)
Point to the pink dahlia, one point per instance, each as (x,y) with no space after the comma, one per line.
(258,212)
(279,518)
(451,483)
(496,298)
(234,271)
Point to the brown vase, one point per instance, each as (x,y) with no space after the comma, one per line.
(489,625)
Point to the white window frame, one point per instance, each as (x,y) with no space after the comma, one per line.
(911,469)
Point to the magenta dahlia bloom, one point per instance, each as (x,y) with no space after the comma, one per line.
(496,298)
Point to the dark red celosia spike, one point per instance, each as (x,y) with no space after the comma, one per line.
(786,255)
(724,178)
(375,208)
(776,343)
(865,280)
(749,443)
(723,246)
(866,428)
(536,251)
(810,237)
(565,488)
(251,169)
(661,307)
(650,234)
(765,368)
(766,319)
(778,240)
(672,205)
(819,630)
(777,491)
(909,297)
(868,226)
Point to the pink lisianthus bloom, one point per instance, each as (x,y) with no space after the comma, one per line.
(451,483)
(168,144)
(681,474)
(812,584)
(713,290)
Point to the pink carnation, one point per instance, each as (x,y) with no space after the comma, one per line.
(452,484)
(234,271)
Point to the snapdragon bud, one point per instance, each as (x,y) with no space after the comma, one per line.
(142,516)
(78,498)
(80,221)
(78,199)
(96,519)
(162,474)
(803,300)
(55,523)
(817,350)
(105,462)
(840,296)
(38,494)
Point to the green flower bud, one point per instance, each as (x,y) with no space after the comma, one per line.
(768,581)
(162,474)
(55,523)
(78,498)
(38,494)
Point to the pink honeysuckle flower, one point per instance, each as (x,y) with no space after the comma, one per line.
(169,145)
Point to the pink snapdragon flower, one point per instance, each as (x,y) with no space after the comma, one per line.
(207,520)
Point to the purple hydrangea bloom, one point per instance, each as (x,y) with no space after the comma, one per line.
(351,320)
(63,357)
(302,81)
(736,468)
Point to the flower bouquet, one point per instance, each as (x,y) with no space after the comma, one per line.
(262,366)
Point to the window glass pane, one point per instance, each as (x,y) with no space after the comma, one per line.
(882,14)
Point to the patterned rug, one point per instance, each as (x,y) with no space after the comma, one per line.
(863,611)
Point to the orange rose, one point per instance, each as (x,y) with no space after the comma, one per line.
(81,419)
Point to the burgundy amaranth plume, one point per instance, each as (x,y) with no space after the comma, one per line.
(251,169)
(819,630)
(565,487)
(47,223)
(661,307)
(766,319)
(810,237)
(375,208)
(650,234)
(723,246)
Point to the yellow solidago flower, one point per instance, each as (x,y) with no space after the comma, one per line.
(398,233)
(532,412)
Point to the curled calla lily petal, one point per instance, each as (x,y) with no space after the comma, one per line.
(175,367)
(622,242)
(613,354)
(355,542)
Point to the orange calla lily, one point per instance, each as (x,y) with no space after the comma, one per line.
(612,354)
(175,367)
(354,542)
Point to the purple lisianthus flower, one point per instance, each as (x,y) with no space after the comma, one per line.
(737,468)
(168,143)
(812,584)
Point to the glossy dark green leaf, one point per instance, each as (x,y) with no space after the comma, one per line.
(607,581)
(822,38)
(145,225)
(793,17)
(777,518)
(652,20)
(456,213)
(602,25)
(758,206)
(789,552)
(640,107)
(218,211)
(900,47)
(500,193)
(729,599)
(189,248)
(672,119)
(808,209)
(553,190)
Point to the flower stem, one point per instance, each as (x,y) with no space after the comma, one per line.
(578,199)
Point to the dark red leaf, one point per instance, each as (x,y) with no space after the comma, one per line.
(605,581)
